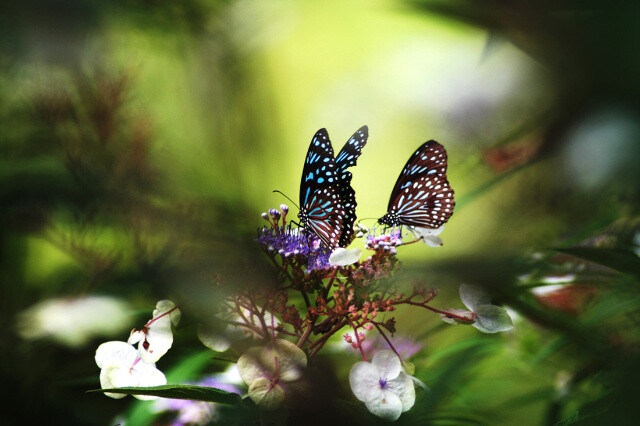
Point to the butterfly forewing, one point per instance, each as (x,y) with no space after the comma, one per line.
(319,167)
(321,209)
(422,196)
(351,150)
(346,158)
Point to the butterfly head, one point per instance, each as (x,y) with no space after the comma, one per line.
(389,219)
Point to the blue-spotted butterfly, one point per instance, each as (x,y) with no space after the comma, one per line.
(422,196)
(327,201)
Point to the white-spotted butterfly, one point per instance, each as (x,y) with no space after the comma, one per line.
(422,196)
(327,201)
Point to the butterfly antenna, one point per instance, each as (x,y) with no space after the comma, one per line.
(367,218)
(285,196)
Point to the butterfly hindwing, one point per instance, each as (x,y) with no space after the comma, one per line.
(422,196)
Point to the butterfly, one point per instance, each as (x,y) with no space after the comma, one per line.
(422,196)
(327,201)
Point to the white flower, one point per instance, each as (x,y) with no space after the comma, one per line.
(122,367)
(429,235)
(268,369)
(385,389)
(343,257)
(155,338)
(73,321)
(487,318)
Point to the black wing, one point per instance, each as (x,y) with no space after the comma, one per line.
(422,195)
(347,157)
(321,209)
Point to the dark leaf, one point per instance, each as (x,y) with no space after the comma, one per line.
(621,260)
(198,393)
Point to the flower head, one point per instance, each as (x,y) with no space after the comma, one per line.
(268,369)
(122,367)
(292,243)
(383,386)
(384,242)
(482,314)
(73,321)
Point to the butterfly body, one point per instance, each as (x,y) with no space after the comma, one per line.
(422,196)
(327,201)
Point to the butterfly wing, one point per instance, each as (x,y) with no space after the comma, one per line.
(321,209)
(422,196)
(346,158)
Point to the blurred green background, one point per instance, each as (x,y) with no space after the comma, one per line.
(141,140)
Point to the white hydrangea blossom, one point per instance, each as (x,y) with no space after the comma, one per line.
(429,235)
(486,317)
(386,390)
(73,321)
(122,365)
(268,370)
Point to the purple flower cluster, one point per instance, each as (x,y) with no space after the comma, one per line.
(386,242)
(289,242)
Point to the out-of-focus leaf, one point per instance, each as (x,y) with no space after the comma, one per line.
(621,260)
(198,393)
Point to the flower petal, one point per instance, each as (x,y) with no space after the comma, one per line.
(135,337)
(388,364)
(159,337)
(429,235)
(251,367)
(419,383)
(266,395)
(386,405)
(473,296)
(261,361)
(432,241)
(148,375)
(115,376)
(213,338)
(492,319)
(364,380)
(165,306)
(291,360)
(115,353)
(343,257)
(402,386)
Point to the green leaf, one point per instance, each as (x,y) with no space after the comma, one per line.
(621,260)
(198,393)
